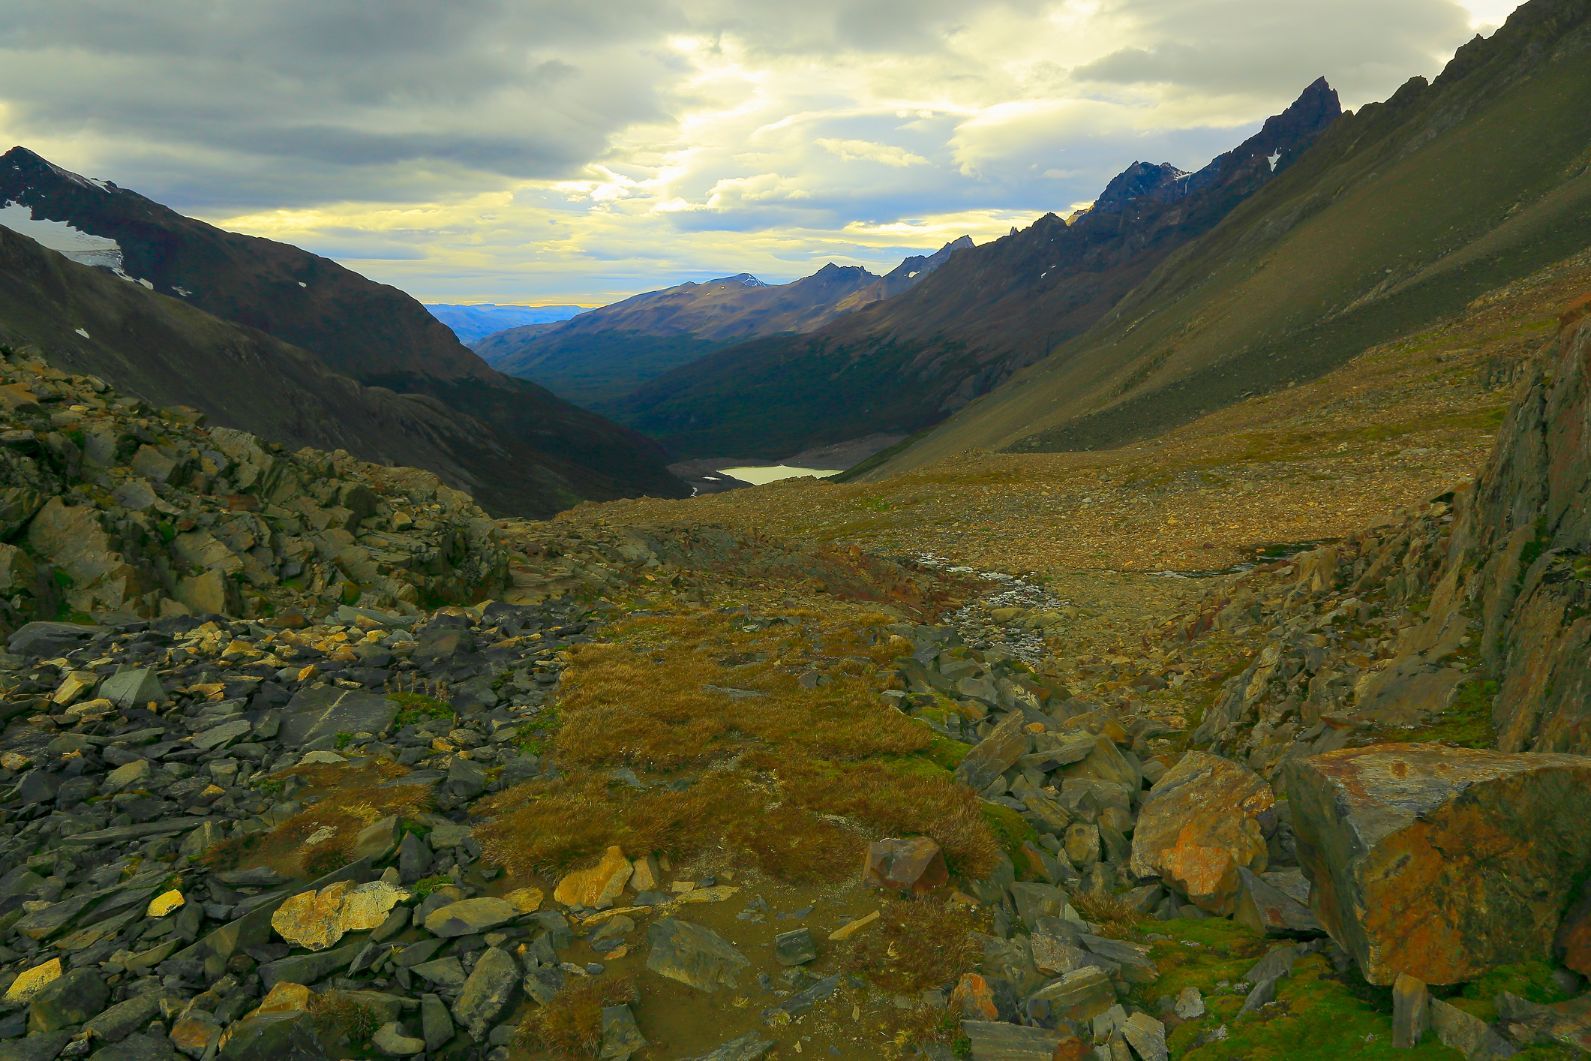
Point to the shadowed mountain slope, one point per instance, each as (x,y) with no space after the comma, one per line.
(905,363)
(532,453)
(606,353)
(1398,217)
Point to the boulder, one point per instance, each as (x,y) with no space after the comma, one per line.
(327,710)
(996,753)
(693,955)
(316,920)
(469,917)
(132,688)
(1200,824)
(486,994)
(67,1001)
(1440,862)
(911,865)
(1276,904)
(596,887)
(280,1036)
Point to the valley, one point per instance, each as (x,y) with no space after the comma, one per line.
(1158,633)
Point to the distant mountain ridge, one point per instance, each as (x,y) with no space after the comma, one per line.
(532,453)
(472,322)
(600,356)
(903,364)
(1400,215)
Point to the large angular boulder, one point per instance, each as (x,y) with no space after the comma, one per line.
(914,864)
(1440,862)
(996,753)
(327,710)
(694,955)
(1200,825)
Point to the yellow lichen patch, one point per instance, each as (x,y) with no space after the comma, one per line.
(310,919)
(596,886)
(525,900)
(32,981)
(286,997)
(165,903)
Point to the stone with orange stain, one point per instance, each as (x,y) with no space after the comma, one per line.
(973,999)
(1199,825)
(1438,862)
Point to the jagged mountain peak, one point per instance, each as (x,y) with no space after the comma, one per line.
(742,279)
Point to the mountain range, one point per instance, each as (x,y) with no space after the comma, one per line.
(603,355)
(260,335)
(1400,215)
(474,321)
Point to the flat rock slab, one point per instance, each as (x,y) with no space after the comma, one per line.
(469,917)
(1441,862)
(998,1041)
(325,711)
(694,955)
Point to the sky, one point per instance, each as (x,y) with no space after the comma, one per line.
(536,152)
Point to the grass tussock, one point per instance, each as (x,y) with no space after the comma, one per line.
(340,801)
(570,1026)
(742,758)
(1112,915)
(921,944)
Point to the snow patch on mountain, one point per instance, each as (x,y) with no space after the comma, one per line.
(83,247)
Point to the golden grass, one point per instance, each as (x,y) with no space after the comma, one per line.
(792,780)
(342,798)
(920,944)
(1110,914)
(570,1026)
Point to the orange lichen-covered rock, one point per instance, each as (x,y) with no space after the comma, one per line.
(973,999)
(1200,824)
(1441,862)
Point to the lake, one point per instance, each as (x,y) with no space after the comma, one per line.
(759,474)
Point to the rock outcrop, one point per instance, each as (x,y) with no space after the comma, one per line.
(1441,863)
(109,506)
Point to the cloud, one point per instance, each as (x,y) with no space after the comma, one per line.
(866,151)
(541,151)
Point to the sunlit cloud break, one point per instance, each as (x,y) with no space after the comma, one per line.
(530,152)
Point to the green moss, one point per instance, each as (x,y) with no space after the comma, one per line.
(414,708)
(534,736)
(425,886)
(1529,980)
(1467,722)
(1010,829)
(1316,1017)
(167,531)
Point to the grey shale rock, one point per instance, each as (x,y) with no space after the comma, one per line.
(694,955)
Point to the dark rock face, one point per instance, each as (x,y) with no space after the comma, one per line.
(1521,554)
(1497,575)
(1438,862)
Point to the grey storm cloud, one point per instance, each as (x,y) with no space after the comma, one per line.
(1264,45)
(823,117)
